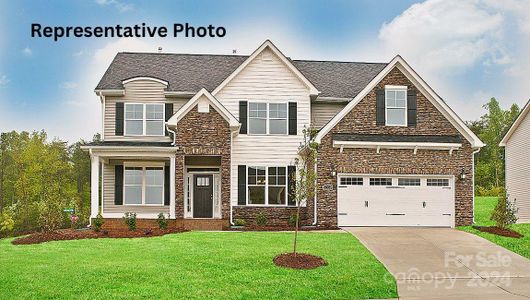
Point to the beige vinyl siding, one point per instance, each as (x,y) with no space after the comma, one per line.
(518,169)
(321,113)
(265,81)
(140,91)
(108,197)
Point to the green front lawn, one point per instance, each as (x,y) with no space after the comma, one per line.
(483,208)
(220,265)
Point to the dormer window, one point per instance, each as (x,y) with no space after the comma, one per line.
(144,119)
(396,105)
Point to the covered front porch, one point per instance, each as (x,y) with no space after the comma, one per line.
(133,179)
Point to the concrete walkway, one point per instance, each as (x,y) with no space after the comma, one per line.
(444,263)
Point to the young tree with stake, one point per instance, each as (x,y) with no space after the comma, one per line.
(306,179)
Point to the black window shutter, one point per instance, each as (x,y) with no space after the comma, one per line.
(292,118)
(166,185)
(291,186)
(243,116)
(168,107)
(118,128)
(412,104)
(241,185)
(380,107)
(118,185)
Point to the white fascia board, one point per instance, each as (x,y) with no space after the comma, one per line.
(134,150)
(399,62)
(396,145)
(232,121)
(268,44)
(104,92)
(145,78)
(515,124)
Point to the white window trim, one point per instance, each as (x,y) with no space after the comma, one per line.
(396,88)
(268,118)
(266,186)
(143,184)
(144,119)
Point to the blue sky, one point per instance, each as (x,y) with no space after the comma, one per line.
(468,51)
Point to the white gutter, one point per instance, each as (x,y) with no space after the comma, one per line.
(110,92)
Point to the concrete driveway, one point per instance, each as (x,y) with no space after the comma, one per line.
(444,263)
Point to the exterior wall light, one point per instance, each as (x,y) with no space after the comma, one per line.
(462,174)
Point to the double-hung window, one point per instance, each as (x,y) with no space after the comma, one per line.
(143,186)
(267,118)
(396,105)
(277,118)
(267,185)
(144,119)
(257,179)
(257,118)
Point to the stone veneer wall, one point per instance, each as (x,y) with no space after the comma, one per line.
(362,120)
(203,134)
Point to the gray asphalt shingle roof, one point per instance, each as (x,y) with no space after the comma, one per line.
(191,72)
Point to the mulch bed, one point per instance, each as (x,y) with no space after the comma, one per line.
(300,261)
(73,234)
(279,228)
(499,231)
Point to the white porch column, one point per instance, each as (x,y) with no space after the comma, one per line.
(94,186)
(172,187)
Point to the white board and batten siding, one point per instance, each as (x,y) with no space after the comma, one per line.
(265,79)
(138,91)
(518,169)
(323,112)
(108,198)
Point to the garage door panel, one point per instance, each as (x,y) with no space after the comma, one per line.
(365,205)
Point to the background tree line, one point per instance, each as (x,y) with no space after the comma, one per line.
(489,162)
(39,177)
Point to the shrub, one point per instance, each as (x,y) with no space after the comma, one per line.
(505,212)
(7,224)
(261,219)
(98,222)
(240,222)
(130,220)
(162,221)
(489,191)
(292,220)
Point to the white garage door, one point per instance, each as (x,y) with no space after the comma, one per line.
(395,200)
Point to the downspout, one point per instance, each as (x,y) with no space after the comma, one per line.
(102,99)
(473,181)
(231,145)
(90,153)
(174,134)
(315,198)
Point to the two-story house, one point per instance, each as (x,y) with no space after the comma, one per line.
(207,139)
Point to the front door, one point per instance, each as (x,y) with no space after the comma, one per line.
(203,196)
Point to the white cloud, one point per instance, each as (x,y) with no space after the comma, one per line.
(68,85)
(3,80)
(445,35)
(27,51)
(78,53)
(457,43)
(119,5)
